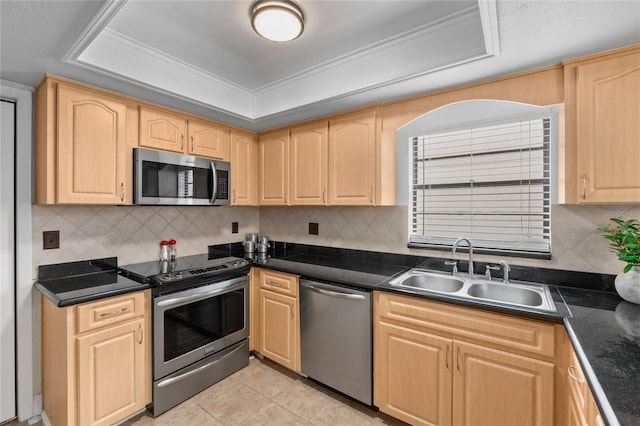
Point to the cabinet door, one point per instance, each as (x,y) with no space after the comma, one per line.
(608,120)
(162,130)
(208,140)
(278,328)
(352,159)
(244,169)
(413,377)
(274,168)
(308,164)
(92,148)
(111,373)
(492,387)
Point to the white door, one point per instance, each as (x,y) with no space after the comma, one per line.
(7,263)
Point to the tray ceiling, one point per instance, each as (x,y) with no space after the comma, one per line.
(203,57)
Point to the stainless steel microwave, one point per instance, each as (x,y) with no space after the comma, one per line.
(165,178)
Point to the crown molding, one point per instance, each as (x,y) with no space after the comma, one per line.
(489,17)
(99,22)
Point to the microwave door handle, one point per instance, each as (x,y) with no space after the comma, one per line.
(214,193)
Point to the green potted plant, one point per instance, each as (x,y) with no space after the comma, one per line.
(624,240)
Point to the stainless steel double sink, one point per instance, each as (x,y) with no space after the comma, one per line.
(524,295)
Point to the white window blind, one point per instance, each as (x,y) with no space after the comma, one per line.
(489,183)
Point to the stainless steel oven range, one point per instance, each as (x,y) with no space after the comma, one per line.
(200,326)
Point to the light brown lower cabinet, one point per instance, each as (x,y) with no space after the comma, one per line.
(275,328)
(96,360)
(425,374)
(582,408)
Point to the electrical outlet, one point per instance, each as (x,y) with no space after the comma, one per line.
(313,228)
(50,240)
(234,227)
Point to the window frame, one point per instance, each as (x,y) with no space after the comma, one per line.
(477,113)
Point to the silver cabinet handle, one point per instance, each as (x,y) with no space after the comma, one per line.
(122,192)
(141,333)
(584,187)
(192,145)
(446,357)
(331,293)
(571,371)
(181,142)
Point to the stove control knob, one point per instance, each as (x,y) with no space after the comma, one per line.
(178,275)
(166,277)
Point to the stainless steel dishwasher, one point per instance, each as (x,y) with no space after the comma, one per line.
(335,337)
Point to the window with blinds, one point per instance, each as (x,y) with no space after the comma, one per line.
(489,183)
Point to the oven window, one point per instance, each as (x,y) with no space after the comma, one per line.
(197,324)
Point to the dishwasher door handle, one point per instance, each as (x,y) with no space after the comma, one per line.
(332,293)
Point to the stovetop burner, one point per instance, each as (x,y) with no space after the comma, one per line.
(171,273)
(187,272)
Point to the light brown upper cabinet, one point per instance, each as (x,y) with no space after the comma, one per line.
(208,140)
(169,131)
(602,96)
(273,154)
(352,159)
(84,141)
(162,130)
(308,150)
(244,169)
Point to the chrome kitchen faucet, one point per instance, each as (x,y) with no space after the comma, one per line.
(455,246)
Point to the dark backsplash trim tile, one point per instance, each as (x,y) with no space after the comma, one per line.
(82,267)
(337,257)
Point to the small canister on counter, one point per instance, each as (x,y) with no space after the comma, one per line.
(263,239)
(249,246)
(164,250)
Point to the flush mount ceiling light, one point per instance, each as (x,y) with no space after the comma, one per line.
(277,20)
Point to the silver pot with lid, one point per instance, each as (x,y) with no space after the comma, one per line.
(263,247)
(249,246)
(252,237)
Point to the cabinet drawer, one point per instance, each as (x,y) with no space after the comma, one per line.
(471,324)
(279,282)
(97,314)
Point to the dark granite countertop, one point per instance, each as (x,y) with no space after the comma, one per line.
(72,283)
(603,329)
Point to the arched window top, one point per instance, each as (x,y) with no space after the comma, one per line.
(480,169)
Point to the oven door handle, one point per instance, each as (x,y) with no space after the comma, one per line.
(171,380)
(200,296)
(214,192)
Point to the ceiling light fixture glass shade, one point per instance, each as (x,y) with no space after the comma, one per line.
(277,20)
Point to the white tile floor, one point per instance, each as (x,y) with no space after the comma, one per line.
(266,394)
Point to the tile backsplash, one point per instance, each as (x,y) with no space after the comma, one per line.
(133,234)
(577,245)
